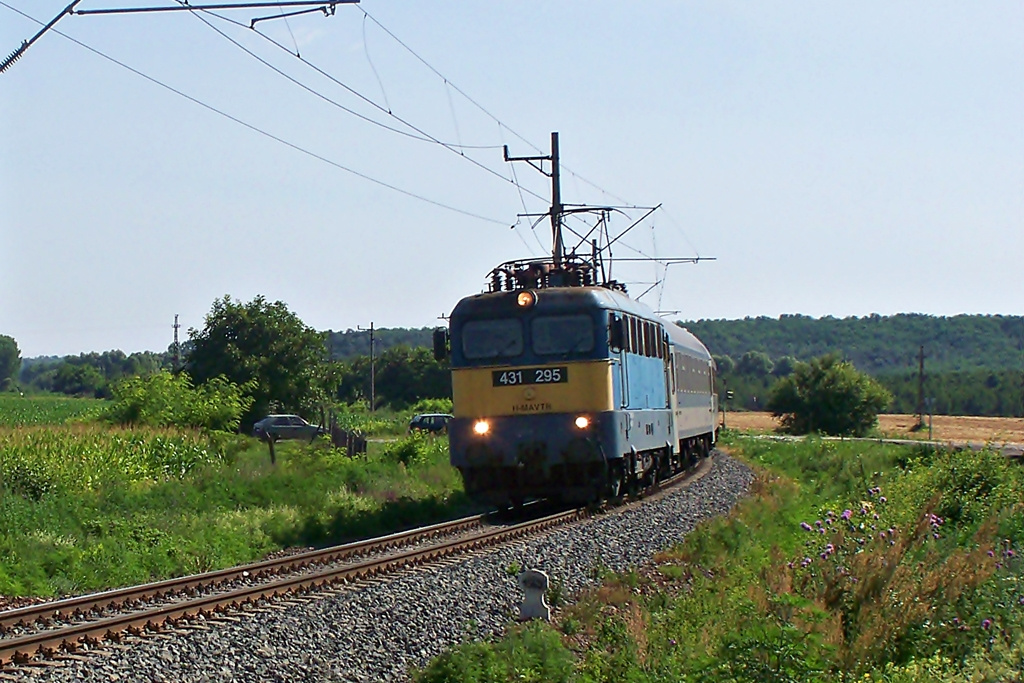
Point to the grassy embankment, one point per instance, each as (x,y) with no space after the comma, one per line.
(85,506)
(848,561)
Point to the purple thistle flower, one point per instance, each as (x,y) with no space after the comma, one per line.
(672,641)
(986,623)
(935,535)
(1009,553)
(817,522)
(847,514)
(991,554)
(824,556)
(821,531)
(830,548)
(805,526)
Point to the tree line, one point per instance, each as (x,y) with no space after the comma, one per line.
(878,345)
(973,363)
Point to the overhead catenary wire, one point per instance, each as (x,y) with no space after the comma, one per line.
(259,130)
(479,106)
(422,136)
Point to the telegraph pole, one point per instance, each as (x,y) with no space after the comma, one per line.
(373,396)
(920,388)
(177,346)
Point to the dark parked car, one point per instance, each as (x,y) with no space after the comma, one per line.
(279,427)
(435,423)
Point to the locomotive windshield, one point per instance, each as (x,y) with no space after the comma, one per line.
(500,338)
(562,334)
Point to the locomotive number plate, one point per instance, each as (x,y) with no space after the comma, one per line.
(512,378)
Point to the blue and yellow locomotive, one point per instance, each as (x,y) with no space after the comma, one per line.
(564,388)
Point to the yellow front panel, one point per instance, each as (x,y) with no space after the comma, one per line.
(589,389)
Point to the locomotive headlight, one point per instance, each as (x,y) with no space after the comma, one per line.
(526,299)
(582,422)
(481,427)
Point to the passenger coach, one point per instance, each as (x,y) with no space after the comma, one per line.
(573,392)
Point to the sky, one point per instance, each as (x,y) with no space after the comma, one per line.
(831,158)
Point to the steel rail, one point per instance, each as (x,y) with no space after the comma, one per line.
(81,605)
(23,649)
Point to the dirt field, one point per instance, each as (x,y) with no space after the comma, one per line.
(944,428)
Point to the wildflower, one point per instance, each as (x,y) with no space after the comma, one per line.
(824,556)
(1021,601)
(830,549)
(881,534)
(847,514)
(672,641)
(1009,553)
(991,554)
(882,499)
(806,561)
(876,515)
(817,522)
(805,526)
(986,623)
(935,535)
(821,531)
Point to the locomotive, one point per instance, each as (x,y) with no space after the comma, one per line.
(564,387)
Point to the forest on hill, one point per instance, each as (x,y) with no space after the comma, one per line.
(875,344)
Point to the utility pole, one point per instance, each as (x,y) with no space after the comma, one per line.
(177,346)
(373,396)
(556,210)
(920,388)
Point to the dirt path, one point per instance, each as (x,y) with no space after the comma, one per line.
(944,427)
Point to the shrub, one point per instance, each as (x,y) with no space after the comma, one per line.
(829,396)
(166,400)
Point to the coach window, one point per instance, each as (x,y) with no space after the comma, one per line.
(562,334)
(500,338)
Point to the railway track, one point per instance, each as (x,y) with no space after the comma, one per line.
(67,626)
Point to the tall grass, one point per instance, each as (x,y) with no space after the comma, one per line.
(846,562)
(85,508)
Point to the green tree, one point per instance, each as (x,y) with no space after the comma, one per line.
(403,377)
(264,347)
(10,361)
(784,366)
(755,364)
(725,365)
(78,380)
(828,395)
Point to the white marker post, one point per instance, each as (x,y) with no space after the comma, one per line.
(535,586)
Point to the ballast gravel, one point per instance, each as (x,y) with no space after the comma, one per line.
(375,630)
